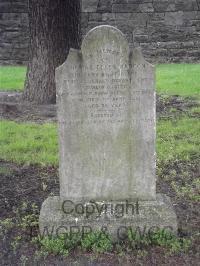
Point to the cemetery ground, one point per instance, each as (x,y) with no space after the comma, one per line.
(29,174)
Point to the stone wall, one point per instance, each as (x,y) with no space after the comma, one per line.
(13,31)
(167,30)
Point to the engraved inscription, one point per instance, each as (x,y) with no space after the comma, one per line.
(106,115)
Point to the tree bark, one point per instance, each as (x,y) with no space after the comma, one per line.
(54,28)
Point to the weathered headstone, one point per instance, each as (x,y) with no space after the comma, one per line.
(106,116)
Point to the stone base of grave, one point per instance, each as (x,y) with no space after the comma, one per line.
(146,217)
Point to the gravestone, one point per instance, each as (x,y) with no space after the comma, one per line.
(106,119)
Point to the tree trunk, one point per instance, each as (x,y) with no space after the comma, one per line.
(54,28)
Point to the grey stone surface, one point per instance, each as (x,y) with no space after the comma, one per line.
(106,116)
(89,5)
(172,18)
(151,215)
(106,113)
(10,96)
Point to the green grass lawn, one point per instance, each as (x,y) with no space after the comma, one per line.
(177,146)
(29,143)
(171,79)
(178,79)
(37,144)
(178,139)
(12,78)
(25,143)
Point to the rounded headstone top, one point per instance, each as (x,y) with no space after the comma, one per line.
(104,34)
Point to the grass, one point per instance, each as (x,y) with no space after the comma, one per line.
(99,242)
(37,144)
(172,79)
(12,78)
(28,143)
(178,79)
(94,242)
(178,139)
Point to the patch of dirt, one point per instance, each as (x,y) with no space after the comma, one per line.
(25,183)
(186,207)
(13,108)
(31,184)
(170,106)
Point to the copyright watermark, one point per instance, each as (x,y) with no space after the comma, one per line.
(91,208)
